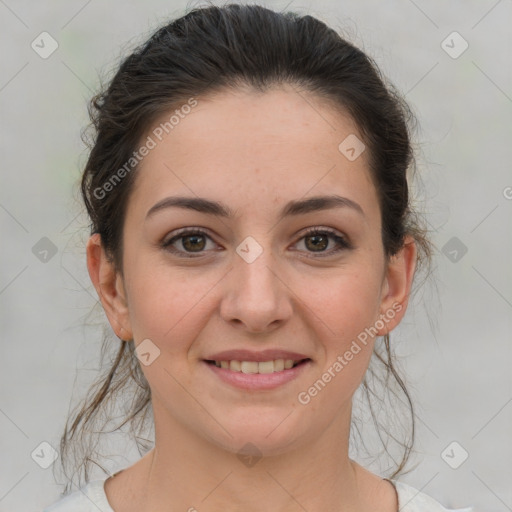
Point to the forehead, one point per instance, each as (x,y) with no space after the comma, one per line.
(254,149)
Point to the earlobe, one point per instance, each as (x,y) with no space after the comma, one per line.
(397,285)
(109,287)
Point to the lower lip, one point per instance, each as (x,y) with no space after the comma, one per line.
(258,381)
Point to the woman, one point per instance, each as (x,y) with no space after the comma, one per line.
(252,243)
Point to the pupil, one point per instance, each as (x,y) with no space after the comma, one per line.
(317,244)
(192,246)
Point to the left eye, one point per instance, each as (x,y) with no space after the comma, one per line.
(319,239)
(194,241)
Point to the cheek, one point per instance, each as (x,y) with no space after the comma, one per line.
(346,303)
(167,306)
(346,308)
(347,314)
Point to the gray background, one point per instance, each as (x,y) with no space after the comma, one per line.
(455,342)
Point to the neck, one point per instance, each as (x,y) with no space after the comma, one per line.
(195,474)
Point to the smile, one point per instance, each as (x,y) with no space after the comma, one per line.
(258,375)
(276,365)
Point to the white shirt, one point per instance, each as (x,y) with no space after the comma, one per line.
(92,498)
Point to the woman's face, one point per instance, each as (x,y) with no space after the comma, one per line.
(253,279)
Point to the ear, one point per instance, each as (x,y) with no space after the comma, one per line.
(396,286)
(110,287)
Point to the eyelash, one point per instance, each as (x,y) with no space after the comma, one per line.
(342,242)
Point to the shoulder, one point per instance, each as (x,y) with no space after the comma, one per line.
(90,498)
(412,500)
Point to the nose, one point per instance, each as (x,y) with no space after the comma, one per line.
(256,296)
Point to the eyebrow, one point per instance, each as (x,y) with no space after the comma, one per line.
(291,208)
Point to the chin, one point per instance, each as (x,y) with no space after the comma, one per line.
(267,438)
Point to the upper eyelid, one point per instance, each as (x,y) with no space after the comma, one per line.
(205,231)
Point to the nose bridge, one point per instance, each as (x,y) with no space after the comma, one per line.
(254,266)
(256,295)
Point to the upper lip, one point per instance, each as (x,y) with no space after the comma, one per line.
(249,355)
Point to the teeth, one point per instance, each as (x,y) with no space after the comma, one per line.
(265,367)
(288,363)
(276,365)
(249,366)
(279,365)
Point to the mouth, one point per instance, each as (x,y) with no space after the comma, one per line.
(260,367)
(257,376)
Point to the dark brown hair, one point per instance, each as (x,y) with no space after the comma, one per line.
(209,50)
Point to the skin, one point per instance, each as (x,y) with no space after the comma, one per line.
(253,152)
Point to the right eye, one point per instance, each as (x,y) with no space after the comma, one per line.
(192,240)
